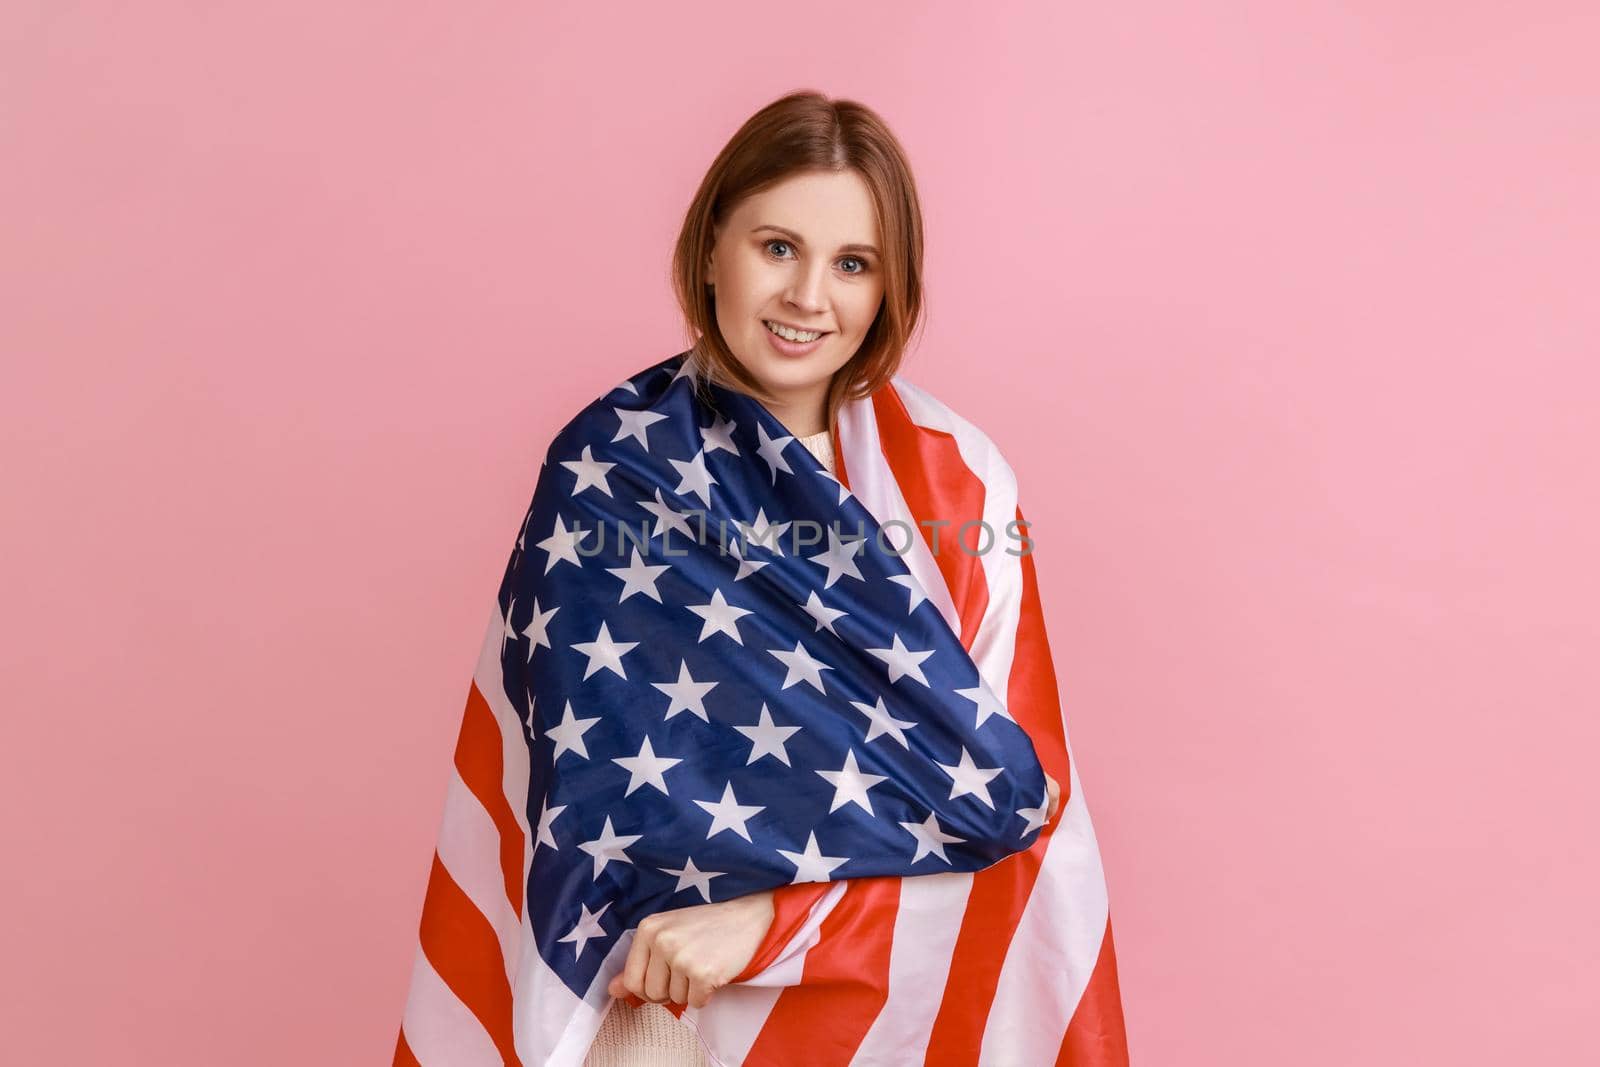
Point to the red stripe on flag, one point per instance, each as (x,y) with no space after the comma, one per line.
(791,905)
(820,1023)
(403,1056)
(480,760)
(1097,1036)
(462,946)
(838,458)
(1000,893)
(957,498)
(1034,698)
(994,906)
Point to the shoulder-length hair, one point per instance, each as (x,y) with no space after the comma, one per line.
(806,131)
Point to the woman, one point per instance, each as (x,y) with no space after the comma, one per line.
(799,273)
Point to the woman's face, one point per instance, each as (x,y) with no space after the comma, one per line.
(802,254)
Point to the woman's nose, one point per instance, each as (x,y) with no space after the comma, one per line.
(806,293)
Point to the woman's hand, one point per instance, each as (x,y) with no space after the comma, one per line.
(686,954)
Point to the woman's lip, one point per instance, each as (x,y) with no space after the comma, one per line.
(792,326)
(792,349)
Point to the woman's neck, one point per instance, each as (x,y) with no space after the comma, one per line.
(798,427)
(800,419)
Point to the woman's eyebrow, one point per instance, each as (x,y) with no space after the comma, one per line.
(797,239)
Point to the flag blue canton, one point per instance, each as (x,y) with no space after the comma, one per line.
(711,710)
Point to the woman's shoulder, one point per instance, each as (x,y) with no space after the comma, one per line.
(600,418)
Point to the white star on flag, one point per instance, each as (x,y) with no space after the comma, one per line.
(562,544)
(537,631)
(822,614)
(588,926)
(608,847)
(568,734)
(720,617)
(881,722)
(694,477)
(646,768)
(1034,817)
(839,557)
(591,472)
(747,567)
(720,435)
(636,424)
(667,517)
(639,577)
(967,777)
(930,839)
(691,876)
(811,865)
(913,587)
(507,631)
(802,666)
(686,693)
(764,534)
(988,703)
(850,784)
(543,836)
(901,661)
(605,652)
(771,450)
(729,814)
(767,738)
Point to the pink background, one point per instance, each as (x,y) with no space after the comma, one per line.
(1283,313)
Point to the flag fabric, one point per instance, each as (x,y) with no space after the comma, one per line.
(713,668)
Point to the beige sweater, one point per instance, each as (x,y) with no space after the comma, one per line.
(649,1035)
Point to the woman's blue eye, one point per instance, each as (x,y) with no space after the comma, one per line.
(861,263)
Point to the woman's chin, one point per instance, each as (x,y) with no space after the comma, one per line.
(778,372)
(790,380)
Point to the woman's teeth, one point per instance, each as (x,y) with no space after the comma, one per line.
(800,336)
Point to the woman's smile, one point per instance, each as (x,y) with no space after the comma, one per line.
(788,341)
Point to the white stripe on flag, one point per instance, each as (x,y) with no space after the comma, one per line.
(995,645)
(469,848)
(873,483)
(926,926)
(439,1029)
(1056,945)
(491,683)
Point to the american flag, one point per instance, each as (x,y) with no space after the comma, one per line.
(714,668)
